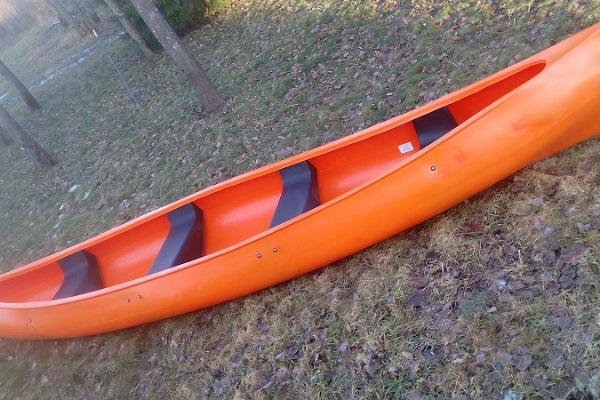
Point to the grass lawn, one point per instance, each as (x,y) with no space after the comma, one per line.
(497,298)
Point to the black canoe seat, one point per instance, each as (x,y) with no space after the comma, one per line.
(185,240)
(81,275)
(432,126)
(300,192)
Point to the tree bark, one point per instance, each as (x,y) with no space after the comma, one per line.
(10,126)
(64,16)
(31,102)
(129,28)
(210,98)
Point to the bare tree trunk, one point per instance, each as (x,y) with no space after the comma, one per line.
(64,16)
(10,126)
(210,99)
(131,30)
(31,102)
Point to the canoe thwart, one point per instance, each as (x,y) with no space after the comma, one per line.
(300,192)
(432,126)
(81,275)
(185,240)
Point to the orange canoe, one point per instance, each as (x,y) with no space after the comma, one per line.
(299,214)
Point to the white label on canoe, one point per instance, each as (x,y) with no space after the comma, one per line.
(406,147)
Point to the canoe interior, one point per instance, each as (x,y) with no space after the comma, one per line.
(228,216)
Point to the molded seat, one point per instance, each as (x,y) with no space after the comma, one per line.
(300,192)
(81,275)
(430,127)
(185,240)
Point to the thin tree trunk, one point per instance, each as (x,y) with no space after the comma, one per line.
(209,98)
(31,102)
(64,16)
(10,126)
(129,28)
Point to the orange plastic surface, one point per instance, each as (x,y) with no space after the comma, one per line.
(369,190)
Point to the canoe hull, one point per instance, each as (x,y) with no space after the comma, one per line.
(532,123)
